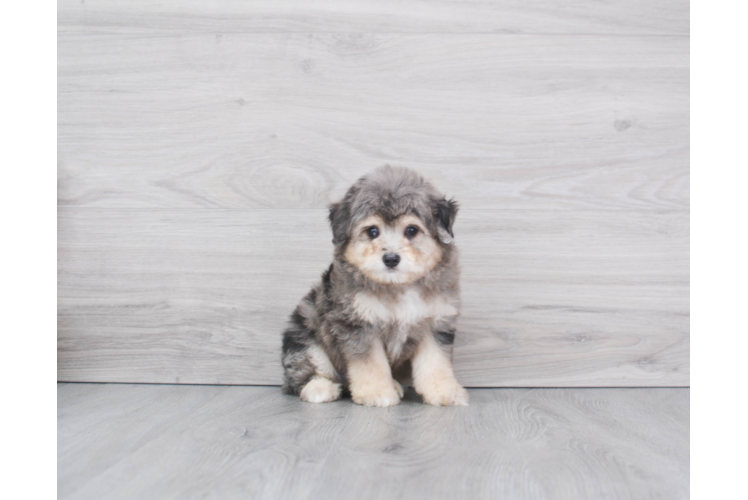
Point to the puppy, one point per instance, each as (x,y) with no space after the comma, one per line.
(387,304)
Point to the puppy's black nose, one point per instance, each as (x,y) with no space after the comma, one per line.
(391,259)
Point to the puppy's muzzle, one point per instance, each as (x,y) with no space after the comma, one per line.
(391,260)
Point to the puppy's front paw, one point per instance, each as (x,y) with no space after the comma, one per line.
(399,388)
(386,396)
(445,394)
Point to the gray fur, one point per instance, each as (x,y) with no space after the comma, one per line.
(325,316)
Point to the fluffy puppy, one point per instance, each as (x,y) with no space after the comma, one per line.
(387,304)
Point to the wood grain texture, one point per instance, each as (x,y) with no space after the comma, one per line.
(665,17)
(198,143)
(163,442)
(571,298)
(291,120)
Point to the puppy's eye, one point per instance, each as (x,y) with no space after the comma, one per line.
(411,231)
(373,232)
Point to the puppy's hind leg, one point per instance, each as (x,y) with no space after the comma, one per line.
(322,387)
(307,375)
(307,369)
(320,390)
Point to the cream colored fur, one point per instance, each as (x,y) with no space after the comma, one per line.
(419,255)
(410,307)
(320,390)
(370,379)
(404,312)
(433,376)
(320,360)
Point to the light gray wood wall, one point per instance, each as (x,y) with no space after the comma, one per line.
(199,143)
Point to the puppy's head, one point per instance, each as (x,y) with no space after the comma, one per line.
(393,226)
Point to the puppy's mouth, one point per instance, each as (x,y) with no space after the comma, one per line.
(391,276)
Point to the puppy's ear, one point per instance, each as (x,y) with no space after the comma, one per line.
(445,212)
(340,218)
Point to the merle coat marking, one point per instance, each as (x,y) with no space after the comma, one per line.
(348,317)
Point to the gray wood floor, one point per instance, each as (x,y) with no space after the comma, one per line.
(184,442)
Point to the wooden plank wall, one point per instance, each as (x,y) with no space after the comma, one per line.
(200,142)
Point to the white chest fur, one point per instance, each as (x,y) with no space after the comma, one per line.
(407,309)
